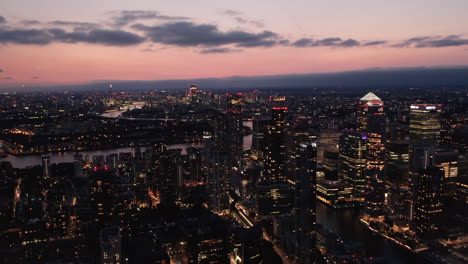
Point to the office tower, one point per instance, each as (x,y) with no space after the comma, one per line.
(375,195)
(425,124)
(218,173)
(397,164)
(45,167)
(110,240)
(427,203)
(276,142)
(305,180)
(299,134)
(447,159)
(330,163)
(168,169)
(234,136)
(371,120)
(419,160)
(352,161)
(304,201)
(328,140)
(369,106)
(259,125)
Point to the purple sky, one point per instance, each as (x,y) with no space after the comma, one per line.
(44,42)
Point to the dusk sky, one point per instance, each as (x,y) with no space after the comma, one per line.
(57,41)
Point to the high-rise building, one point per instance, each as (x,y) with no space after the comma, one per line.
(103,196)
(369,106)
(352,161)
(110,240)
(218,176)
(259,126)
(234,136)
(168,169)
(305,180)
(428,203)
(276,142)
(371,120)
(375,195)
(425,124)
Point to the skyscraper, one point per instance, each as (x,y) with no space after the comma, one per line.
(218,173)
(428,203)
(352,161)
(167,166)
(276,142)
(425,124)
(234,136)
(371,120)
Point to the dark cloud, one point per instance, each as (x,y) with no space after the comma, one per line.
(375,43)
(433,42)
(1,70)
(25,36)
(104,37)
(35,77)
(349,43)
(79,26)
(125,17)
(303,42)
(47,36)
(30,22)
(218,50)
(332,42)
(2,20)
(190,34)
(6,78)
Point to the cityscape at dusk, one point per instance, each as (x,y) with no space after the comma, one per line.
(240,132)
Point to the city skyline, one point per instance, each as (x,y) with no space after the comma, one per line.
(118,40)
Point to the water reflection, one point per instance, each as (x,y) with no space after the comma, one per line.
(346,224)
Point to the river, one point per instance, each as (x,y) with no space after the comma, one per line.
(346,224)
(24,161)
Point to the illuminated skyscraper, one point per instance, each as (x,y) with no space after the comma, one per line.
(305,180)
(352,161)
(276,142)
(428,202)
(218,173)
(371,120)
(425,124)
(234,137)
